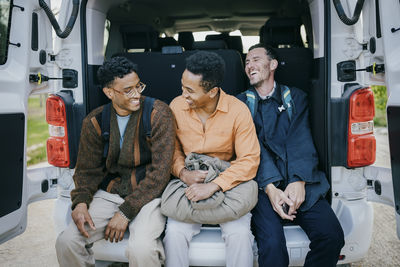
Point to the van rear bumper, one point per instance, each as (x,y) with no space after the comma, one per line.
(208,249)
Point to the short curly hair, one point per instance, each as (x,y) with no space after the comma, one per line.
(116,67)
(210,66)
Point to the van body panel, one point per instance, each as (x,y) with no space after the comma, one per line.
(389,15)
(25,44)
(90,42)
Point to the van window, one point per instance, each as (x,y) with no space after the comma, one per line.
(5,21)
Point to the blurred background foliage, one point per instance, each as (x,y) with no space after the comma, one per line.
(380,95)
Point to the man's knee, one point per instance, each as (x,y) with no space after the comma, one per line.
(333,239)
(177,230)
(142,248)
(67,243)
(64,241)
(241,234)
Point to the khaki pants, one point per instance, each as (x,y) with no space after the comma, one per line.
(144,246)
(236,234)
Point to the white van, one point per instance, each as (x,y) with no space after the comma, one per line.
(333,50)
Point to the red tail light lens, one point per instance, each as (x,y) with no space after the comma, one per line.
(57,152)
(55,111)
(57,144)
(362,105)
(361,145)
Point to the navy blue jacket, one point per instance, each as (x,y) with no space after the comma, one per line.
(287,149)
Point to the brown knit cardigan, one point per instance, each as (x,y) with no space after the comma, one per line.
(138,172)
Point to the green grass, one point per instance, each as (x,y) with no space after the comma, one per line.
(37,130)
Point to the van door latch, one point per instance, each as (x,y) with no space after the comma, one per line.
(346,70)
(69,78)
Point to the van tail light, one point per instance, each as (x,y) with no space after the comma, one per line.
(361,143)
(57,143)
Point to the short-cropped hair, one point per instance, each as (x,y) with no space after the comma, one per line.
(210,66)
(269,50)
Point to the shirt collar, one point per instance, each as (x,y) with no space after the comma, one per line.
(222,101)
(275,93)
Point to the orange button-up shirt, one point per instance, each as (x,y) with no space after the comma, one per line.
(229,134)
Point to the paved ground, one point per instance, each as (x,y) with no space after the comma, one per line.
(35,247)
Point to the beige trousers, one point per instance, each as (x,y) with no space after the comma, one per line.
(236,234)
(144,246)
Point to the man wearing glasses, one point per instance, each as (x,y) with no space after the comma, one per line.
(121,188)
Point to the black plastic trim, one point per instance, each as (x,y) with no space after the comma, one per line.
(12,140)
(346,71)
(393,116)
(327,75)
(85,81)
(70,78)
(378,20)
(42,57)
(35,32)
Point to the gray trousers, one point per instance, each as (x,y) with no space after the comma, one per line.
(144,246)
(236,234)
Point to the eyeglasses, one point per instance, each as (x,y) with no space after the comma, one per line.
(138,89)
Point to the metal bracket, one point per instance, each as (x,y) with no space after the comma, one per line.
(353,48)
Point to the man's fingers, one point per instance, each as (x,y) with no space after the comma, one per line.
(81,227)
(286,199)
(292,209)
(107,232)
(189,193)
(190,196)
(121,236)
(111,236)
(90,222)
(283,215)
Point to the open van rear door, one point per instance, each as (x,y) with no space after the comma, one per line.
(372,53)
(381,37)
(25,62)
(389,11)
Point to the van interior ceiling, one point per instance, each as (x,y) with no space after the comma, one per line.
(171,17)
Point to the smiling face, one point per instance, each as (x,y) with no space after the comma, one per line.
(259,68)
(193,92)
(123,104)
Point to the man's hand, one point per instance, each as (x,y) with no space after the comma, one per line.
(296,192)
(80,216)
(197,192)
(192,177)
(116,228)
(277,198)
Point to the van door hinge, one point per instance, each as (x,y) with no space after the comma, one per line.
(379,185)
(375,185)
(63,59)
(353,48)
(46,184)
